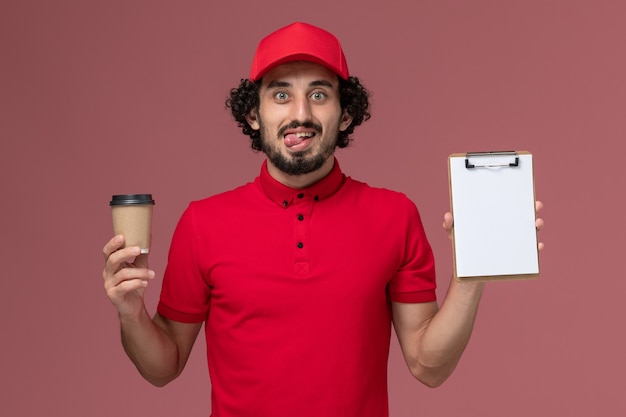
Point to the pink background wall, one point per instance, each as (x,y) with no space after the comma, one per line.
(106,97)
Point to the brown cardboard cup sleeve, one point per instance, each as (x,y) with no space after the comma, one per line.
(132,217)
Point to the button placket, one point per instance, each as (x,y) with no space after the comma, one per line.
(302,207)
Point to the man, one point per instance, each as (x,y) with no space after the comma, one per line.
(298,275)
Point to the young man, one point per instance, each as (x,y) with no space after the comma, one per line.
(299,275)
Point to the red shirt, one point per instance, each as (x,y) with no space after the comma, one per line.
(295,288)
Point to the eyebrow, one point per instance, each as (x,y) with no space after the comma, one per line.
(282,84)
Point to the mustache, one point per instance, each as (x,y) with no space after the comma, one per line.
(296,124)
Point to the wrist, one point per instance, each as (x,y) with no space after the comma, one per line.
(468,287)
(129,318)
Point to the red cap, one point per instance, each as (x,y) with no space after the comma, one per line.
(299,42)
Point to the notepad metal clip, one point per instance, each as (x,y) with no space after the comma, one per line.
(469,155)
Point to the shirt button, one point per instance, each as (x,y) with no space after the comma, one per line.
(285,203)
(316,198)
(300,217)
(301,195)
(300,245)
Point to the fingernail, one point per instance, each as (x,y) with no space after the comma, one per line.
(151,274)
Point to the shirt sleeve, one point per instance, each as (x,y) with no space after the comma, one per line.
(185,295)
(414,281)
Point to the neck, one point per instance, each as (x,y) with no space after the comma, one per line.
(304,180)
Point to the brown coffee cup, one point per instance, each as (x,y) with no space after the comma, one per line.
(132,217)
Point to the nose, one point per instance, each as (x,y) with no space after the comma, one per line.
(302,109)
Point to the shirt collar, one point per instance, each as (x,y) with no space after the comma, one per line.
(284,195)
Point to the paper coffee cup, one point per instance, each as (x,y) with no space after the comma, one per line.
(132,217)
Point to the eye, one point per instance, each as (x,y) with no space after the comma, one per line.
(281,96)
(318,95)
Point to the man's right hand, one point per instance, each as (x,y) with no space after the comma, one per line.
(126,276)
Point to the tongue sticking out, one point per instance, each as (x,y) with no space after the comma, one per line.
(292,140)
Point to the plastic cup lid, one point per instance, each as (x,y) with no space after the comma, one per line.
(124,199)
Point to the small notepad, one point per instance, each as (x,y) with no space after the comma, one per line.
(493,203)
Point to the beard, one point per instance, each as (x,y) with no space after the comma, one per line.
(297,163)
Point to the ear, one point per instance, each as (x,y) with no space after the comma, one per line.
(253,120)
(346,120)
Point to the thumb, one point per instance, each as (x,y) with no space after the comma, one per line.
(448,223)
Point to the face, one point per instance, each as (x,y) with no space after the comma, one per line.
(299,117)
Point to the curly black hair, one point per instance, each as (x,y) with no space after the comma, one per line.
(353,97)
